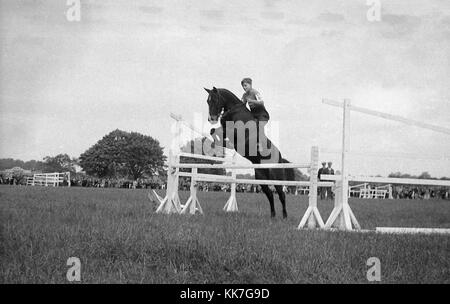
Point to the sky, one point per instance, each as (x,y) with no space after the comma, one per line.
(128,64)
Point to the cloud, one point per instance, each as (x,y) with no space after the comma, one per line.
(446,20)
(150,25)
(209,29)
(151,9)
(271,31)
(24,40)
(95,5)
(399,26)
(401,20)
(212,14)
(272,15)
(297,21)
(331,34)
(270,3)
(331,18)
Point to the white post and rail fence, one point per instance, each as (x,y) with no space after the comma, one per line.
(49,179)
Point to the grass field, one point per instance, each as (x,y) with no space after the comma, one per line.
(119,239)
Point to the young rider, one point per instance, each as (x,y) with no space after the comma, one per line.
(253,98)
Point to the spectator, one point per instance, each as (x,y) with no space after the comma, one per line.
(330,171)
(321,190)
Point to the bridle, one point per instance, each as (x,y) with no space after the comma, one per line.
(222,110)
(223,113)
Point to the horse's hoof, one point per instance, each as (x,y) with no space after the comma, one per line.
(285,215)
(272,215)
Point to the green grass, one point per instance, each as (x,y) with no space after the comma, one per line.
(119,239)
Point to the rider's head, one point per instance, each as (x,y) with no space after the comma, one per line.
(246,84)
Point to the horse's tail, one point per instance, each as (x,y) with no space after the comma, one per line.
(289,173)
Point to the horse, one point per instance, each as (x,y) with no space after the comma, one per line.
(237,124)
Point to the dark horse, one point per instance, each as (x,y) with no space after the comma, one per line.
(236,125)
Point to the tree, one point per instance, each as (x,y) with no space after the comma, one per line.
(59,163)
(425,175)
(8,163)
(124,154)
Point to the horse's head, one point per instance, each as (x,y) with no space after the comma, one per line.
(215,105)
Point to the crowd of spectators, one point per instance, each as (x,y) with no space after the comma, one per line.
(9,181)
(413,192)
(87,181)
(115,183)
(211,186)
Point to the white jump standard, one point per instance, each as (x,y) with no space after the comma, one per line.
(342,208)
(312,217)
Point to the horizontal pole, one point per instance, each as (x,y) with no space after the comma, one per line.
(226,179)
(389,117)
(390,180)
(358,186)
(412,230)
(180,119)
(330,177)
(204,157)
(392,155)
(242,166)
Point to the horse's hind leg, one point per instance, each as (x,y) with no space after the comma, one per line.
(269,194)
(282,197)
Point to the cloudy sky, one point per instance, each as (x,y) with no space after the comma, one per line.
(128,64)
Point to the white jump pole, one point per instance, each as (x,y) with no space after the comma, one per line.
(312,217)
(231,205)
(400,230)
(342,216)
(192,205)
(390,117)
(171,202)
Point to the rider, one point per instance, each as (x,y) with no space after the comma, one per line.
(256,104)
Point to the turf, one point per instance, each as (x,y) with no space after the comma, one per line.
(119,239)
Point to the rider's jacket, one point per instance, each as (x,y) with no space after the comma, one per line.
(258,110)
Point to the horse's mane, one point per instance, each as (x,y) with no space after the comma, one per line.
(228,94)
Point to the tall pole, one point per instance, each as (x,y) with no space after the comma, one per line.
(344,170)
(342,216)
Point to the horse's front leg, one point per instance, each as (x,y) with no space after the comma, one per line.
(220,137)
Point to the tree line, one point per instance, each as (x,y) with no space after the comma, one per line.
(119,154)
